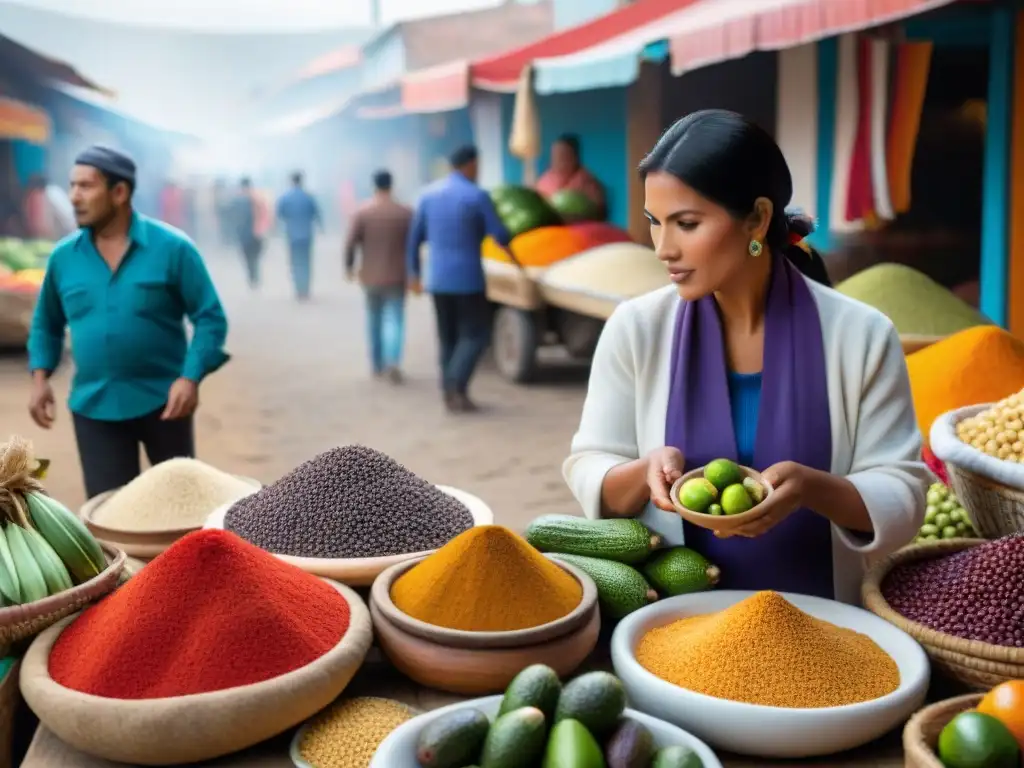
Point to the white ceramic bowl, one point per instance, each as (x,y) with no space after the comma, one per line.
(771,731)
(399,749)
(361,571)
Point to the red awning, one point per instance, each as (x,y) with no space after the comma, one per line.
(437,89)
(21,121)
(502,72)
(710,31)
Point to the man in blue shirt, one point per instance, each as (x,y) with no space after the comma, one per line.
(299,212)
(453,217)
(124,285)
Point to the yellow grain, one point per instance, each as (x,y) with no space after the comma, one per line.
(347,734)
(766,651)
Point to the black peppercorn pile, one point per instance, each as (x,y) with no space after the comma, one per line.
(345,503)
(975,594)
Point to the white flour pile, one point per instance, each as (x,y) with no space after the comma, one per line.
(180,493)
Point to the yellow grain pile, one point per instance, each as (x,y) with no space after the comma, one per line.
(766,651)
(347,734)
(180,493)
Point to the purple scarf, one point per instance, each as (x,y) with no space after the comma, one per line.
(793,425)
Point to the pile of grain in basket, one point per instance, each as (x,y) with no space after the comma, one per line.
(175,494)
(349,502)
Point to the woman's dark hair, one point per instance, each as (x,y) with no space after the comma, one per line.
(732,161)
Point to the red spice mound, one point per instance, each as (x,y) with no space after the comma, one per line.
(212,612)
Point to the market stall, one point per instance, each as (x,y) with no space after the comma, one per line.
(228,649)
(560,278)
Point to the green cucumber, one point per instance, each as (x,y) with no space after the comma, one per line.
(621,589)
(622,540)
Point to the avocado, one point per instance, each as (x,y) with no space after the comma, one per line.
(677,757)
(515,740)
(536,686)
(679,571)
(596,699)
(452,740)
(571,745)
(621,589)
(631,746)
(623,540)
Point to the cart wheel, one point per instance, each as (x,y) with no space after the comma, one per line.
(515,344)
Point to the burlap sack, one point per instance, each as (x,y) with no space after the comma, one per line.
(194,728)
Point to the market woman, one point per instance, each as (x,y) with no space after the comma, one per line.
(748,356)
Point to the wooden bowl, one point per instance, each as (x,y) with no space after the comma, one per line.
(361,571)
(718,522)
(921,733)
(196,728)
(144,544)
(455,638)
(478,671)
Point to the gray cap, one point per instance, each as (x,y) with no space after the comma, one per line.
(110,161)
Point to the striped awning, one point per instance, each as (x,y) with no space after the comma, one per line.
(703,32)
(21,121)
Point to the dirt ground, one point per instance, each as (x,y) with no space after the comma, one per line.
(298,383)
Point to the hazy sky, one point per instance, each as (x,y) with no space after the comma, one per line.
(251,15)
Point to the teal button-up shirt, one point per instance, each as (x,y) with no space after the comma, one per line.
(127,326)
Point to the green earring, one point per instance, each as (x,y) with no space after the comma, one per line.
(755,248)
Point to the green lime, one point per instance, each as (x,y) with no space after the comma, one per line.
(722,473)
(736,500)
(716,509)
(930,513)
(976,740)
(697,494)
(929,529)
(950,532)
(943,519)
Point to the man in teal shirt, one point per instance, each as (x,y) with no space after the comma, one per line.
(123,285)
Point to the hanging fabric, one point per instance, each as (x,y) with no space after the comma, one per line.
(845,133)
(879,64)
(910,84)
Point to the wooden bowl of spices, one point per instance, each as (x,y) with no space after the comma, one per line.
(183,680)
(361,571)
(724,522)
(164,503)
(480,671)
(517,596)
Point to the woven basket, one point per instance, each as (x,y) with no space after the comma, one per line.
(995,508)
(921,734)
(10,696)
(980,666)
(21,622)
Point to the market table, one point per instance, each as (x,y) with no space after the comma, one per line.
(378,678)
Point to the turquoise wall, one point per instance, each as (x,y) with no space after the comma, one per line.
(440,135)
(599,118)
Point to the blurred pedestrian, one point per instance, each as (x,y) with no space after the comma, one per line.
(453,217)
(244,215)
(379,230)
(124,285)
(299,212)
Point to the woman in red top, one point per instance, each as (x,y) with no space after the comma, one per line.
(566,172)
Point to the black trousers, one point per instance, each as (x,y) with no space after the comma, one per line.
(109,450)
(252,249)
(463,332)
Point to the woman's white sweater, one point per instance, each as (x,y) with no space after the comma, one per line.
(875,440)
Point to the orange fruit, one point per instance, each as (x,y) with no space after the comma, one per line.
(1005,702)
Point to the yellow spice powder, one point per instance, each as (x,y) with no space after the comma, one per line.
(347,734)
(766,651)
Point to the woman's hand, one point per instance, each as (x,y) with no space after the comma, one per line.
(664,467)
(788,481)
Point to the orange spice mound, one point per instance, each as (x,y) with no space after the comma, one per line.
(487,579)
(766,651)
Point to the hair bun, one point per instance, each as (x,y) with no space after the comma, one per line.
(799,225)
